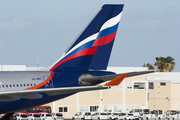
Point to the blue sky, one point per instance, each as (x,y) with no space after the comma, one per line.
(40,29)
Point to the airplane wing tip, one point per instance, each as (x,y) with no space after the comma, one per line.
(116,81)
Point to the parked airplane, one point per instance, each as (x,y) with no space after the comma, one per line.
(81,68)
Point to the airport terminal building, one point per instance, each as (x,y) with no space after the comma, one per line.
(158,90)
(154,91)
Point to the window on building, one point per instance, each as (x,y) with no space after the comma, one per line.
(107,108)
(139,85)
(94,108)
(163,84)
(151,85)
(129,107)
(63,109)
(84,108)
(120,86)
(129,85)
(117,108)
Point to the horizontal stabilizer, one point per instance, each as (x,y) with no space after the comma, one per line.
(110,77)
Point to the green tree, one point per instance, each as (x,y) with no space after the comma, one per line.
(164,64)
(150,67)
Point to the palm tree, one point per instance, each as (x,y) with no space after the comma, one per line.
(150,67)
(164,64)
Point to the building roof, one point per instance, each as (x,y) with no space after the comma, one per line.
(173,77)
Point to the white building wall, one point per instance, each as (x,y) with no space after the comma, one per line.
(12,67)
(126,69)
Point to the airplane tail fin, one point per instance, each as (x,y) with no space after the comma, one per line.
(91,50)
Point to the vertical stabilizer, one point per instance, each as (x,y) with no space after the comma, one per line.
(92,49)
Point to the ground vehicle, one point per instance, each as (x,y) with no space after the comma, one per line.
(159,115)
(19,116)
(136,113)
(34,116)
(82,115)
(38,109)
(173,115)
(153,115)
(126,116)
(46,116)
(112,116)
(145,115)
(57,116)
(99,116)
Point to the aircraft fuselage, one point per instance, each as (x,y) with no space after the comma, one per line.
(29,80)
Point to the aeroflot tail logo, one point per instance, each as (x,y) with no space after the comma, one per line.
(106,34)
